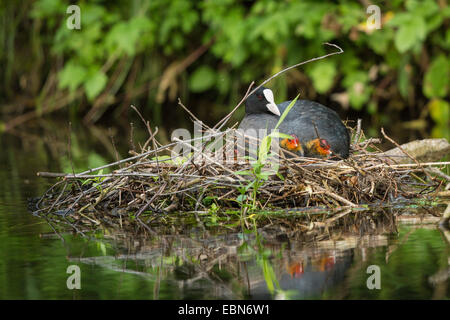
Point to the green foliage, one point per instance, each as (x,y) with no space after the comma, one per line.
(323,75)
(411,31)
(95,84)
(96,182)
(202,79)
(72,76)
(213,217)
(123,44)
(358,89)
(440,113)
(436,81)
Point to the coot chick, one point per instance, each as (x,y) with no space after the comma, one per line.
(316,148)
(292,145)
(318,128)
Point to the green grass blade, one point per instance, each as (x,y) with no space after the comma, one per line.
(287,111)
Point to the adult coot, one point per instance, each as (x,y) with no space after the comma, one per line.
(317,131)
(260,109)
(261,116)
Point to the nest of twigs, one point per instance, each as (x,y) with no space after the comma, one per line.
(148,185)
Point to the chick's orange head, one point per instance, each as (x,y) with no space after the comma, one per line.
(319,147)
(291,144)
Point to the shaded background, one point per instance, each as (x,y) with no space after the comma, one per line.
(149,53)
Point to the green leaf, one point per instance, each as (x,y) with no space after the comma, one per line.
(286,111)
(244,172)
(380,40)
(46,8)
(92,14)
(241,198)
(71,76)
(322,75)
(410,33)
(436,80)
(164,158)
(102,248)
(126,36)
(280,176)
(264,149)
(423,8)
(358,88)
(439,111)
(265,175)
(434,22)
(95,84)
(202,79)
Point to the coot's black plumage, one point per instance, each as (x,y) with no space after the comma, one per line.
(301,121)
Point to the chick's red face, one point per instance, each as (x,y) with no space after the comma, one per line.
(292,144)
(325,146)
(319,147)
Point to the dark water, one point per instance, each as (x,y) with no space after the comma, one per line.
(413,260)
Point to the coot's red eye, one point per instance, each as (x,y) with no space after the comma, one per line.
(259,96)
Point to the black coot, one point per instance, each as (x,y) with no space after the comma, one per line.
(260,111)
(318,128)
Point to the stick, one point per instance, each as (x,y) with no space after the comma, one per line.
(210,159)
(403,150)
(358,131)
(227,117)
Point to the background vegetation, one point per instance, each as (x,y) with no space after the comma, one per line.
(207,52)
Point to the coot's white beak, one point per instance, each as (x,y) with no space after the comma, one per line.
(271,106)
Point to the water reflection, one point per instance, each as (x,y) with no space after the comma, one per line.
(265,264)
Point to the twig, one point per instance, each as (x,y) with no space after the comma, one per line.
(227,117)
(210,159)
(403,150)
(190,113)
(358,131)
(438,173)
